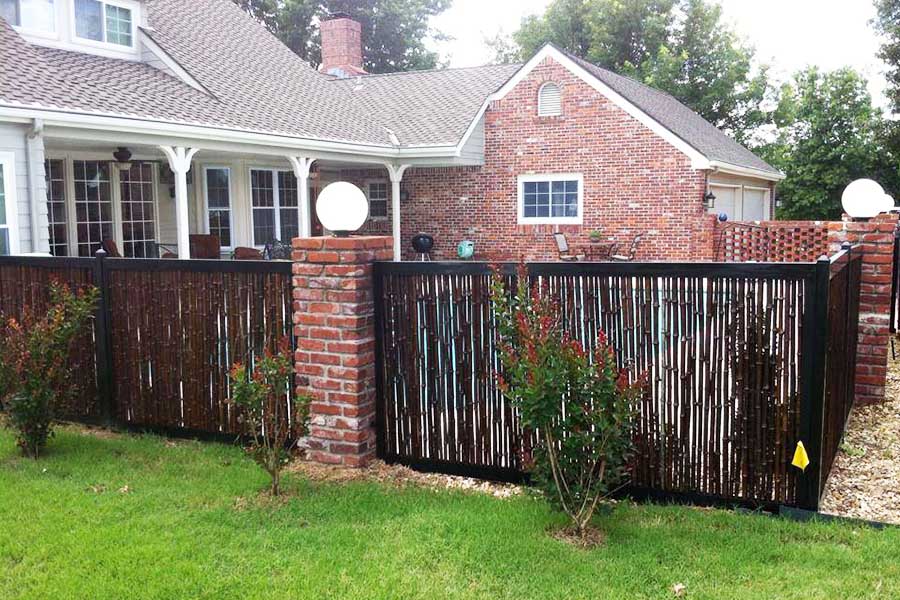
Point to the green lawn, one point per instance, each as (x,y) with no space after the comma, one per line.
(185,529)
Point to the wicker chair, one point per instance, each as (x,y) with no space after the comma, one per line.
(243,253)
(205,246)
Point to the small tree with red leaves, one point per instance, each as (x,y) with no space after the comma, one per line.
(34,353)
(579,403)
(263,397)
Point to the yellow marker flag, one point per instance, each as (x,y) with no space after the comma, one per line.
(801,458)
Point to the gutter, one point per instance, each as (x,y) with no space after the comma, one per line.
(33,139)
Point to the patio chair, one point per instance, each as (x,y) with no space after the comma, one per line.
(111,248)
(632,250)
(243,253)
(565,252)
(205,246)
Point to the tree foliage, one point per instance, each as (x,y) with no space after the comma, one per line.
(887,23)
(829,134)
(679,46)
(394,31)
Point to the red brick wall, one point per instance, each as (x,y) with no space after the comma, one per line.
(877,240)
(334,322)
(634,181)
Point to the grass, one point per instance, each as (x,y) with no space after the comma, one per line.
(193,525)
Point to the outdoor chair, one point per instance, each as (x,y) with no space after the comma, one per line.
(632,250)
(111,248)
(205,246)
(243,253)
(565,252)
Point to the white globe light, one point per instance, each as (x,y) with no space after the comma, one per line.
(887,203)
(863,199)
(342,207)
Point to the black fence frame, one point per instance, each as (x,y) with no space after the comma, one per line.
(815,331)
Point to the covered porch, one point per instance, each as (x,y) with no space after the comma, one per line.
(145,199)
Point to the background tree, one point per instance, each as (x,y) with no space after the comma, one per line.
(829,134)
(887,23)
(394,31)
(680,46)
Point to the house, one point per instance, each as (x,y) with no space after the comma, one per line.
(144,121)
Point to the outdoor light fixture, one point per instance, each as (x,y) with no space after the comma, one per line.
(123,158)
(865,198)
(709,200)
(404,195)
(342,208)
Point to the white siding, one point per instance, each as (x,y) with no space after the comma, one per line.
(13,139)
(473,151)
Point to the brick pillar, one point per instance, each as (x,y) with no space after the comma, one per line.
(877,239)
(335,327)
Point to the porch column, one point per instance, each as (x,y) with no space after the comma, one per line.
(301,166)
(396,172)
(180,163)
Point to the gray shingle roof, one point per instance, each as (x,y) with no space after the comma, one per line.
(256,83)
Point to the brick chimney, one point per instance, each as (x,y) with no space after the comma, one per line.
(341,46)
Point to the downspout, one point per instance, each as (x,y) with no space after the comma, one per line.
(32,171)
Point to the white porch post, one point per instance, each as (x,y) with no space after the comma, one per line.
(180,163)
(396,172)
(301,166)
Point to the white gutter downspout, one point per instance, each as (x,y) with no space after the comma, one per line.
(33,172)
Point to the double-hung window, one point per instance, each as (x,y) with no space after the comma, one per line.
(104,22)
(275,206)
(378,199)
(218,203)
(551,199)
(8,234)
(55,172)
(32,15)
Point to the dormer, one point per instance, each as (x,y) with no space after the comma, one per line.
(104,27)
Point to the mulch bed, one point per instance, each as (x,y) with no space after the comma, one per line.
(865,480)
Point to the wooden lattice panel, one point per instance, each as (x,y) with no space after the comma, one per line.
(772,241)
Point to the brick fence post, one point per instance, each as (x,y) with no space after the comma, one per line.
(877,239)
(334,322)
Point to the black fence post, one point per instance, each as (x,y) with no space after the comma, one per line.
(103,339)
(380,417)
(812,394)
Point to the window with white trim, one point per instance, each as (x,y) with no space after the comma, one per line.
(378,199)
(8,234)
(32,15)
(549,100)
(218,203)
(275,205)
(93,205)
(104,22)
(551,199)
(138,203)
(55,172)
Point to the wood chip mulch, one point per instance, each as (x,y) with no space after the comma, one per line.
(400,476)
(865,480)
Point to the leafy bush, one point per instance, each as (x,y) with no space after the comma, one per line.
(579,404)
(33,364)
(262,396)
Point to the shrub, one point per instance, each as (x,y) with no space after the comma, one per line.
(33,364)
(578,404)
(262,395)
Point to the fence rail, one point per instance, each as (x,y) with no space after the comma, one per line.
(731,350)
(165,334)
